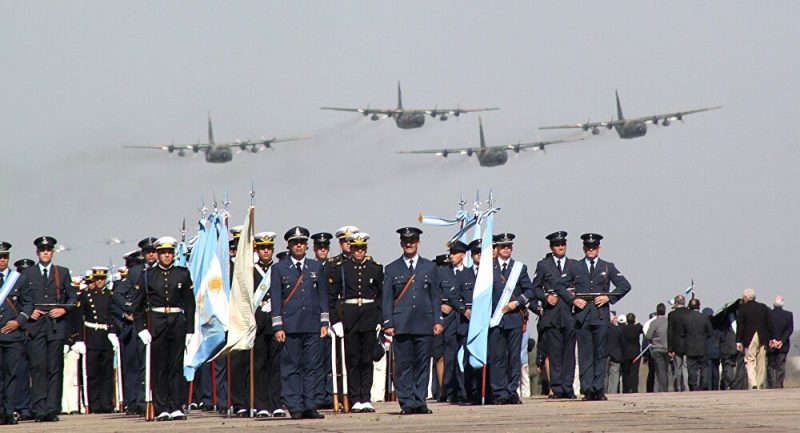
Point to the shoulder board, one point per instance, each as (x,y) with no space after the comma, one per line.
(370,259)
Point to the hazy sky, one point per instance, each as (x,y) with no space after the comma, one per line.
(714,199)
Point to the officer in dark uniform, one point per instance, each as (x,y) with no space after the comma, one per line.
(169,301)
(557,325)
(98,341)
(412,303)
(23,396)
(300,319)
(471,378)
(23,264)
(505,339)
(16,306)
(359,284)
(592,275)
(322,246)
(132,348)
(452,282)
(47,329)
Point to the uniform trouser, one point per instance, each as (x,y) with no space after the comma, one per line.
(240,379)
(776,369)
(211,383)
(680,373)
(612,377)
(300,371)
(71,397)
(505,362)
(660,364)
(630,376)
(461,376)
(202,386)
(325,380)
(451,381)
(132,353)
(755,361)
(358,348)
(100,375)
(560,344)
(712,374)
(10,354)
(47,368)
(593,356)
(412,355)
(169,340)
(23,393)
(697,367)
(267,367)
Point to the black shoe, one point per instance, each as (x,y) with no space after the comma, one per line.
(499,401)
(423,410)
(600,397)
(514,399)
(570,396)
(588,397)
(407,411)
(297,415)
(312,414)
(51,417)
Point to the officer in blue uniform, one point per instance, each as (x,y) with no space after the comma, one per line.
(412,303)
(556,323)
(47,329)
(505,339)
(132,348)
(471,378)
(300,320)
(15,310)
(592,275)
(322,246)
(452,281)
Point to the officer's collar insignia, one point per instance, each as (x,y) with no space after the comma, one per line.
(313,275)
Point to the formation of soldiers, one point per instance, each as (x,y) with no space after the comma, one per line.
(100,339)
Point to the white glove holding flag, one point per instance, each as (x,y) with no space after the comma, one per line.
(189,339)
(114,341)
(66,349)
(338,329)
(145,336)
(79,347)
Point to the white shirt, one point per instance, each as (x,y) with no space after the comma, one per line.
(563,262)
(301,261)
(458,268)
(42,268)
(589,264)
(502,262)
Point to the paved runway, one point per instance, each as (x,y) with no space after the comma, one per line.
(724,411)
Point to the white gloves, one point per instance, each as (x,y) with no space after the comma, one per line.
(66,349)
(338,329)
(189,339)
(114,341)
(145,336)
(79,347)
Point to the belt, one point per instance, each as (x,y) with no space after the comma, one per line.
(98,326)
(359,301)
(167,310)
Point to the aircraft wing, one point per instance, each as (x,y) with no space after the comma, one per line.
(538,145)
(365,111)
(443,152)
(254,145)
(678,115)
(173,147)
(454,111)
(585,126)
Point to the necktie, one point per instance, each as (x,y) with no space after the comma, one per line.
(476,271)
(560,269)
(299,267)
(411,266)
(505,266)
(591,266)
(44,274)
(2,278)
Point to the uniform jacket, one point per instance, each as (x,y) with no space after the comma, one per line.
(263,319)
(605,274)
(56,290)
(467,281)
(451,285)
(17,306)
(352,280)
(171,287)
(546,280)
(421,306)
(94,307)
(522,293)
(307,310)
(782,326)
(696,330)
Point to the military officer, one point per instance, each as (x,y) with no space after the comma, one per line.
(169,299)
(132,348)
(47,329)
(23,264)
(322,245)
(23,370)
(98,341)
(300,319)
(359,283)
(557,325)
(452,282)
(592,275)
(412,303)
(470,385)
(16,306)
(505,339)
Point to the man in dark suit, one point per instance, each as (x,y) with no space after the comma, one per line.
(47,329)
(615,355)
(676,344)
(412,303)
(557,325)
(783,326)
(753,333)
(696,329)
(16,306)
(593,275)
(300,320)
(631,346)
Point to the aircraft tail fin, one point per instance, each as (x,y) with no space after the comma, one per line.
(210,130)
(480,129)
(619,107)
(399,96)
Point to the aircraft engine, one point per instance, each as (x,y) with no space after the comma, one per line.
(445,153)
(243,146)
(181,152)
(195,149)
(374,117)
(170,148)
(665,122)
(595,131)
(443,117)
(469,152)
(541,147)
(679,117)
(254,148)
(456,114)
(516,148)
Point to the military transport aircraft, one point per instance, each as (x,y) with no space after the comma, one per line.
(631,128)
(490,156)
(219,152)
(408,118)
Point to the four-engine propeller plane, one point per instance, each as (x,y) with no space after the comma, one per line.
(490,156)
(631,128)
(219,152)
(409,118)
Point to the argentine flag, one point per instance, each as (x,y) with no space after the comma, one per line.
(478,335)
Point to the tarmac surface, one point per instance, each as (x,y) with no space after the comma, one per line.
(728,411)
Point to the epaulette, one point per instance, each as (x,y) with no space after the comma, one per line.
(370,259)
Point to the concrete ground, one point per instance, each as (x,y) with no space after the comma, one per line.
(724,411)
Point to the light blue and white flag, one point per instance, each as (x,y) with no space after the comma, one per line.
(478,334)
(8,284)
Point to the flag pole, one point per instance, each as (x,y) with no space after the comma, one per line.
(251,412)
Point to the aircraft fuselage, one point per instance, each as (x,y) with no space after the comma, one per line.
(409,120)
(492,158)
(219,153)
(631,129)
